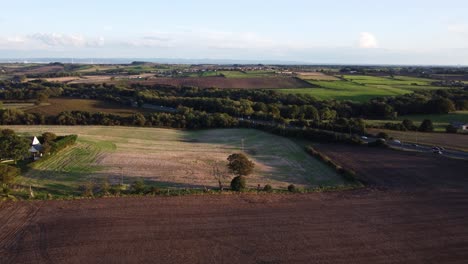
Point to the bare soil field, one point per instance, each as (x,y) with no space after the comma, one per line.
(241,83)
(55,106)
(399,170)
(339,227)
(453,141)
(415,210)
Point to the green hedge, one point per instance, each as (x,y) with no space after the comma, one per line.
(347,174)
(62,142)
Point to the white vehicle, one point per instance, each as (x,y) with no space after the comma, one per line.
(364,137)
(397,141)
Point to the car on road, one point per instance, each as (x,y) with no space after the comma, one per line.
(437,152)
(364,137)
(415,145)
(397,141)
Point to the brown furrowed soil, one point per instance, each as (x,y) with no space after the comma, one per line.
(416,211)
(241,83)
(55,106)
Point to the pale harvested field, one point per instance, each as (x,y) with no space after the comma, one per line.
(174,158)
(317,76)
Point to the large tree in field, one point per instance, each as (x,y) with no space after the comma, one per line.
(240,166)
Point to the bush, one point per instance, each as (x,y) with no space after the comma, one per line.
(268,188)
(451,129)
(238,184)
(87,190)
(292,188)
(426,126)
(138,187)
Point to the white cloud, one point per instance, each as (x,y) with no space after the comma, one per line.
(49,40)
(367,41)
(66,40)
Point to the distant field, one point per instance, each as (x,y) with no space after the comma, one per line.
(454,141)
(316,76)
(58,105)
(228,83)
(362,88)
(171,158)
(234,74)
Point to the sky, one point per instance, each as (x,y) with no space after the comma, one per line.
(335,32)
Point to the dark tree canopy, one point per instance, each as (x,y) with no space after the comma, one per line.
(426,126)
(240,165)
(13,146)
(8,174)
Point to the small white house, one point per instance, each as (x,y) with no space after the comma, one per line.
(35,149)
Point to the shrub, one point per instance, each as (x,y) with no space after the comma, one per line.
(292,188)
(268,188)
(154,190)
(426,126)
(87,190)
(382,135)
(238,184)
(451,129)
(138,187)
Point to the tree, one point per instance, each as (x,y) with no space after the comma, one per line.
(8,174)
(240,165)
(12,146)
(426,126)
(408,124)
(219,174)
(238,183)
(48,137)
(440,106)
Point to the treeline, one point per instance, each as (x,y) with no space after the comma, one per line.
(209,107)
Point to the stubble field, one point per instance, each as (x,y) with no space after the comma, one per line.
(171,158)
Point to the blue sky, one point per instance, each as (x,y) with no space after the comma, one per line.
(376,32)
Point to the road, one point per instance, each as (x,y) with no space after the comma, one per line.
(451,153)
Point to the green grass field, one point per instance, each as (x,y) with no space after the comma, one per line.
(170,158)
(362,88)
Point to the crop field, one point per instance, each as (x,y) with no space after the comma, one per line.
(414,212)
(55,106)
(316,76)
(226,83)
(234,74)
(362,88)
(453,141)
(171,158)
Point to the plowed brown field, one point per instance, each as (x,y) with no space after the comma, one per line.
(416,211)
